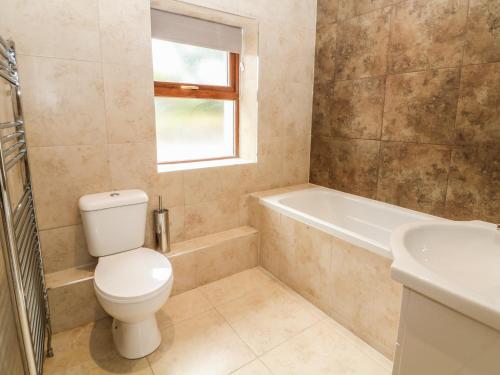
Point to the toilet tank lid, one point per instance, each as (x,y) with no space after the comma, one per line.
(110,199)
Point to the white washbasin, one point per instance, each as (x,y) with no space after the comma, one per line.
(454,263)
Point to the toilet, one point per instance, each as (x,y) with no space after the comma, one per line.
(131,282)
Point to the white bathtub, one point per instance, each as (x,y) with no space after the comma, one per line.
(361,221)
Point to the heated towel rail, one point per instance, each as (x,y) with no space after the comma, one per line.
(19,232)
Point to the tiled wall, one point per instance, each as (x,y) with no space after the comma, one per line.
(407,103)
(86,73)
(349,283)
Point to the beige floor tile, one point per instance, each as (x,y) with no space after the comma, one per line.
(268,317)
(322,349)
(122,366)
(236,286)
(181,307)
(205,344)
(360,344)
(90,350)
(253,368)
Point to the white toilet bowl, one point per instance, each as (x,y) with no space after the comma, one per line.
(131,287)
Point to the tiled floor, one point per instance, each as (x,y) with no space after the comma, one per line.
(246,324)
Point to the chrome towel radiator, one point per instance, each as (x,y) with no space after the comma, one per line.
(18,231)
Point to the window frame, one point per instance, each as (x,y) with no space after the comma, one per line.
(195,91)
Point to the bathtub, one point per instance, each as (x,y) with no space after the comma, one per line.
(360,221)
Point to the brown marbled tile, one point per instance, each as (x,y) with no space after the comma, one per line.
(327,12)
(483,32)
(351,8)
(479,105)
(414,176)
(354,166)
(357,108)
(474,183)
(362,46)
(427,34)
(320,159)
(421,107)
(326,39)
(322,108)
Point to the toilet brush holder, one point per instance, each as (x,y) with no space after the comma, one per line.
(162,231)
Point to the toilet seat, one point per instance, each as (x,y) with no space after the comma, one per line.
(132,276)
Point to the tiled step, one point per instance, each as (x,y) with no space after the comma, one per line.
(195,262)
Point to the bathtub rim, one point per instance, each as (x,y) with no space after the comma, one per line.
(273,202)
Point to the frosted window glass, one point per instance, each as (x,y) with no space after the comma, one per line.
(193,129)
(183,63)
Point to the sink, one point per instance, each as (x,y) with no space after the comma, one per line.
(454,263)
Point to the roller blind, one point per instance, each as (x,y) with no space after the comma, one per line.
(188,30)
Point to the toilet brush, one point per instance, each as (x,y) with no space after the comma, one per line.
(162,227)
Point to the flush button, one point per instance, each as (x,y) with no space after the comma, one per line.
(114,194)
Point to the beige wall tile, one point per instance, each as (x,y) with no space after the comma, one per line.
(184,266)
(129,103)
(64,247)
(296,160)
(63,101)
(133,165)
(53,28)
(125,32)
(171,187)
(276,45)
(270,166)
(364,293)
(202,185)
(210,217)
(227,258)
(312,272)
(61,175)
(74,305)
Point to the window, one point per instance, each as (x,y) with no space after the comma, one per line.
(196,89)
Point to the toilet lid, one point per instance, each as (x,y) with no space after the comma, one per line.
(132,274)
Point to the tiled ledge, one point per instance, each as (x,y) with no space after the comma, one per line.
(86,272)
(205,259)
(195,262)
(70,276)
(283,190)
(210,240)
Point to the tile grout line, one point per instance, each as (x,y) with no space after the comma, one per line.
(292,294)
